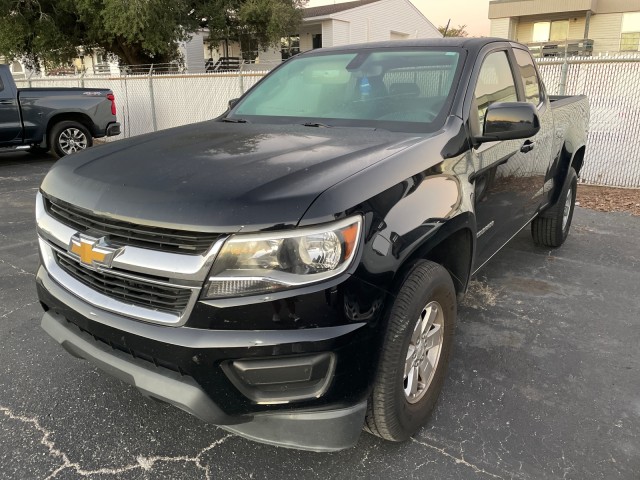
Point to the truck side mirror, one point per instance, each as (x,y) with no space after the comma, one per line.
(509,121)
(232,102)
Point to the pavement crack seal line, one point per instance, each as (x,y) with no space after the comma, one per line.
(143,463)
(17,269)
(5,315)
(459,461)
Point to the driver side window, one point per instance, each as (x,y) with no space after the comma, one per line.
(495,84)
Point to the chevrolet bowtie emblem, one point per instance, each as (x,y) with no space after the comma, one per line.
(92,251)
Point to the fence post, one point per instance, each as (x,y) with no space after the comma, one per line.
(241,80)
(29,79)
(154,121)
(82,80)
(563,77)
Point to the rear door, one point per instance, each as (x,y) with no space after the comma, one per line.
(10,124)
(540,157)
(503,173)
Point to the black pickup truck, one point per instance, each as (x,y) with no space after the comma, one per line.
(290,271)
(62,120)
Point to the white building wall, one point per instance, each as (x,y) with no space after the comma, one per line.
(377,21)
(605,30)
(306,35)
(192,51)
(327,33)
(341,33)
(502,28)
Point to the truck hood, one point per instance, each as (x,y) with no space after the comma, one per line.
(218,177)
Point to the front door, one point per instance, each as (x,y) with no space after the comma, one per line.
(10,125)
(316,40)
(503,177)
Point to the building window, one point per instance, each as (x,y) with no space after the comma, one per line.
(630,36)
(551,31)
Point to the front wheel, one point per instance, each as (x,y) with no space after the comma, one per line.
(415,353)
(69,137)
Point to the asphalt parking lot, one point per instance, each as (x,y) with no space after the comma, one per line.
(544,383)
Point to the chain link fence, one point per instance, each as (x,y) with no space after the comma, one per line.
(613,87)
(148,103)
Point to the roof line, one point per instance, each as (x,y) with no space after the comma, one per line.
(423,15)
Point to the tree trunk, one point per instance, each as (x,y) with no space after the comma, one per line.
(132,54)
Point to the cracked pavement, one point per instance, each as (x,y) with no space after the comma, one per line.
(543,382)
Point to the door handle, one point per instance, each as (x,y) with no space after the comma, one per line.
(527,147)
(6,102)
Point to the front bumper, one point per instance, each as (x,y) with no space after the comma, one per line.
(185,366)
(327,430)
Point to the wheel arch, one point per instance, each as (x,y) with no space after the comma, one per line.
(566,159)
(578,159)
(453,247)
(81,118)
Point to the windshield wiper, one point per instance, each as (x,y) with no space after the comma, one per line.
(234,120)
(316,124)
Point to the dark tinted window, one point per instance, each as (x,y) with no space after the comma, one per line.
(495,83)
(529,76)
(1,85)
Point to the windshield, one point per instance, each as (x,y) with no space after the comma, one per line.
(394,89)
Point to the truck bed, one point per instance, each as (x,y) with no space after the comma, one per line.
(562,100)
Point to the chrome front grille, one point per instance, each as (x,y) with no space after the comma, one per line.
(147,293)
(146,281)
(121,233)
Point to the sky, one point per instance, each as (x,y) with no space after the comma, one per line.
(472,13)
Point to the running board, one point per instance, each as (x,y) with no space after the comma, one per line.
(13,149)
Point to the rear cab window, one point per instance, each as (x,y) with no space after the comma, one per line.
(529,75)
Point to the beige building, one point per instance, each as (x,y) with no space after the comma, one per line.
(577,27)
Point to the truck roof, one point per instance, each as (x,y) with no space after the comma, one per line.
(474,44)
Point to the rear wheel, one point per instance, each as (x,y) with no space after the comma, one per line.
(551,227)
(415,353)
(69,137)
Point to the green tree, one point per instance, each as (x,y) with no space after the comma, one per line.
(453,32)
(138,31)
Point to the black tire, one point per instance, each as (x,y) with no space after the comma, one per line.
(68,137)
(548,229)
(390,413)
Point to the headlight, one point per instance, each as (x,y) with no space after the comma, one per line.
(268,262)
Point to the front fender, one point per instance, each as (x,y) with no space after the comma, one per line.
(411,219)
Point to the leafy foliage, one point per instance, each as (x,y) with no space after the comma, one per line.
(138,31)
(454,32)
